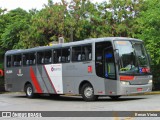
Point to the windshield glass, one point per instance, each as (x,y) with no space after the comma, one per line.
(133,57)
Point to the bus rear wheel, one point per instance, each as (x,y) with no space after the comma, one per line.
(29,91)
(87,92)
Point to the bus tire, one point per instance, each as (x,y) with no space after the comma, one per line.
(29,91)
(115,97)
(87,92)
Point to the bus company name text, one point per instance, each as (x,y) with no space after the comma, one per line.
(28,114)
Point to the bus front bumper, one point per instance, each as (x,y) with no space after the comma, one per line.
(135,89)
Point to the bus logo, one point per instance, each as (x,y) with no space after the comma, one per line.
(20,73)
(55,68)
(52,69)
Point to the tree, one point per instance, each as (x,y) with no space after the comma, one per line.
(149,31)
(120,16)
(47,24)
(2,27)
(16,22)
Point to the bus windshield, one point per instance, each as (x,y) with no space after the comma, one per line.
(133,57)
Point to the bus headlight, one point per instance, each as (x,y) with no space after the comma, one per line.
(125,83)
(150,82)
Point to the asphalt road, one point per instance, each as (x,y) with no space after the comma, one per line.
(19,102)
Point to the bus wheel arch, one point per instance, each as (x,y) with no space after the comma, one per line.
(29,90)
(87,91)
(81,85)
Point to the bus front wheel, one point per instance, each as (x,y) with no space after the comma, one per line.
(29,91)
(87,92)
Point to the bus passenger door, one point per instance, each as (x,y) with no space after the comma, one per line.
(105,67)
(109,63)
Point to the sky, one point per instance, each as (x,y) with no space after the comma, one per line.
(28,4)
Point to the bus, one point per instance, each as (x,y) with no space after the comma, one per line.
(109,66)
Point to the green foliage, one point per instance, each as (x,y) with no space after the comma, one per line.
(1,66)
(149,31)
(149,27)
(16,21)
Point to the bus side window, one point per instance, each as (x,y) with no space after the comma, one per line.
(57,56)
(32,58)
(83,57)
(76,53)
(86,52)
(90,56)
(79,57)
(59,59)
(54,56)
(27,62)
(42,60)
(17,59)
(47,56)
(25,59)
(89,52)
(65,55)
(29,59)
(63,59)
(40,57)
(73,55)
(8,63)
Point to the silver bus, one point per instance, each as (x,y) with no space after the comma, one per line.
(110,66)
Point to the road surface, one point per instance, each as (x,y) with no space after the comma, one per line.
(19,102)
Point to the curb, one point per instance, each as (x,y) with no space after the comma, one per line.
(152,93)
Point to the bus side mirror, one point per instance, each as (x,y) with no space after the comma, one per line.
(117,55)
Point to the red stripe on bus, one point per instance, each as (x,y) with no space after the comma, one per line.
(50,79)
(35,81)
(126,78)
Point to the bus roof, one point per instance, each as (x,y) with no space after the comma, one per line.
(85,41)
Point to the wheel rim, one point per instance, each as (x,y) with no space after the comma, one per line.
(29,91)
(88,92)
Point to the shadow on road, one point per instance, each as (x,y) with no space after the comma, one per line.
(79,98)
